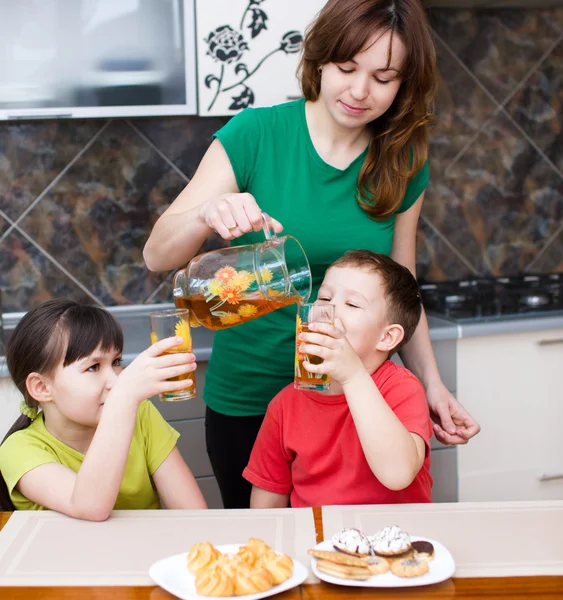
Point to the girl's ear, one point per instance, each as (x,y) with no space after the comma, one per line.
(391,337)
(39,387)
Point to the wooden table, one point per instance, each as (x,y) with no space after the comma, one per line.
(517,588)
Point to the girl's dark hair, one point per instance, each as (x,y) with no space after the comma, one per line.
(57,332)
(399,137)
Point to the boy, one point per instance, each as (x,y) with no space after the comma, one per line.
(367,440)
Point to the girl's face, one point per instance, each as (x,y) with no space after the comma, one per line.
(360,90)
(79,390)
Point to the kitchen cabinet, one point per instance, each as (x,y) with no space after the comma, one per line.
(512,384)
(188,418)
(248,52)
(443,466)
(102,58)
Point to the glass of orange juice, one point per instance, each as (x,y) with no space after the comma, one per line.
(306,314)
(168,323)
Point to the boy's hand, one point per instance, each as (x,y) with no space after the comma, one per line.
(340,360)
(147,375)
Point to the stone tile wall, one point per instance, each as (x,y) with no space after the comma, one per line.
(79,198)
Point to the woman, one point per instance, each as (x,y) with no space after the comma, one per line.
(344,168)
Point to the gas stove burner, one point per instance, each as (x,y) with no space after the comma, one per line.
(455,299)
(491,298)
(535,300)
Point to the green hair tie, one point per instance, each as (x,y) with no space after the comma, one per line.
(29,411)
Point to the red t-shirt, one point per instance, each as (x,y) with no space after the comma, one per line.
(308,446)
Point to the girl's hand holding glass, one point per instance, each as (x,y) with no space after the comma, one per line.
(150,373)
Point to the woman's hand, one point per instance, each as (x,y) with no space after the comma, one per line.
(233,215)
(453,425)
(149,374)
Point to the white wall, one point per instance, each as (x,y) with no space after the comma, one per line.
(10,399)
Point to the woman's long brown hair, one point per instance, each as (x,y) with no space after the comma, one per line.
(399,138)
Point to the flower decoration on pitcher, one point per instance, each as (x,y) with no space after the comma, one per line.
(231,289)
(227,46)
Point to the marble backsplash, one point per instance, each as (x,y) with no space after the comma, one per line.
(79,198)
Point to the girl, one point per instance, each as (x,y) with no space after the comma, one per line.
(95,444)
(343,168)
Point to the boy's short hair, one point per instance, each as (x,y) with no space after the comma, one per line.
(404,303)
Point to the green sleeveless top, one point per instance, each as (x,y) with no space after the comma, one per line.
(274,159)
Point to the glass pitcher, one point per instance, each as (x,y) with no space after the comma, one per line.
(230,286)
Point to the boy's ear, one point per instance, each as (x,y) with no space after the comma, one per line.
(38,387)
(391,337)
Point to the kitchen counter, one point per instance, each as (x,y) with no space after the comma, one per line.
(135,324)
(134,321)
(511,325)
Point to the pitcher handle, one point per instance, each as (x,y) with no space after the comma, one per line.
(266,227)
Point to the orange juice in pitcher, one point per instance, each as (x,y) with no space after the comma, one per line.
(230,286)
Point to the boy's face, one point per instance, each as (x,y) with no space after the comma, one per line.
(360,304)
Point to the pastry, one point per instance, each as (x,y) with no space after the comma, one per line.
(213,581)
(343,571)
(377,565)
(351,541)
(201,556)
(253,569)
(229,563)
(402,556)
(246,555)
(390,541)
(423,550)
(409,567)
(252,580)
(280,566)
(258,546)
(253,549)
(338,557)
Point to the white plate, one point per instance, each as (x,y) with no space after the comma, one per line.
(441,567)
(172,574)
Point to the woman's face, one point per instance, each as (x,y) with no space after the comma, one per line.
(360,90)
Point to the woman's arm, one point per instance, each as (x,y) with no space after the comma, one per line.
(456,425)
(210,202)
(176,484)
(181,230)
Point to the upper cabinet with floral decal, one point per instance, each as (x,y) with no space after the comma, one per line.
(248,52)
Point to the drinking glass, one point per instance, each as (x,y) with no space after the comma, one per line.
(169,323)
(306,314)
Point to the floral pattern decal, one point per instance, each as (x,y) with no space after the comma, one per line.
(227,46)
(182,329)
(226,288)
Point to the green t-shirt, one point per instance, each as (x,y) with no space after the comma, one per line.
(274,159)
(153,440)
